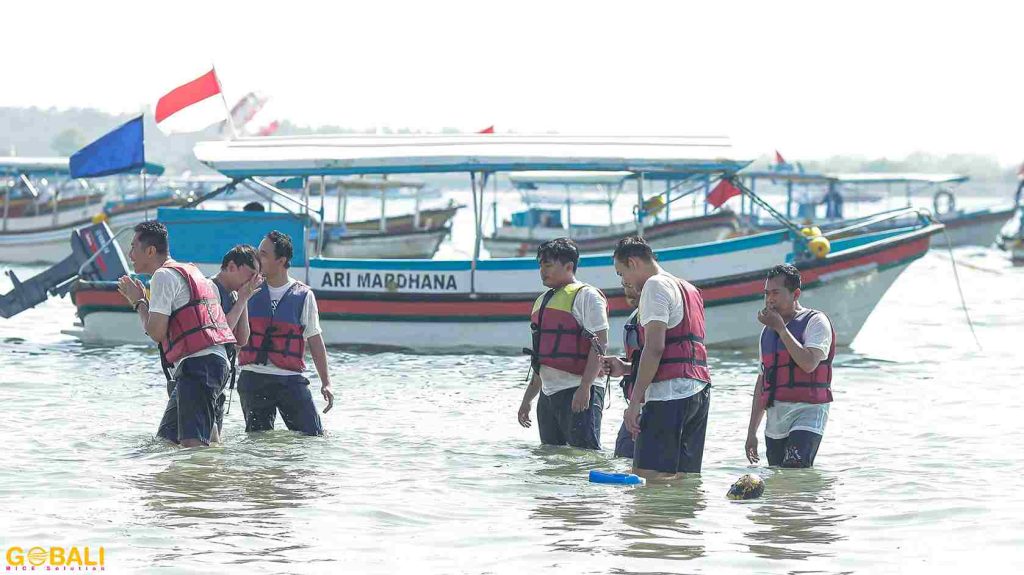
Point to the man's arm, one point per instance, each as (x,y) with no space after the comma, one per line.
(531,392)
(318,350)
(756,414)
(807,358)
(240,323)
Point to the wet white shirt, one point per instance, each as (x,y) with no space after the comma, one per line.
(310,321)
(787,416)
(591,311)
(168,291)
(661,300)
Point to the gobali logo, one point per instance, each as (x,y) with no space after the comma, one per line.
(55,559)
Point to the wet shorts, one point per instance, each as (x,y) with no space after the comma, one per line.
(672,433)
(191,411)
(558,425)
(262,395)
(796,450)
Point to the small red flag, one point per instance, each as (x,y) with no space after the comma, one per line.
(722,192)
(779,159)
(487,130)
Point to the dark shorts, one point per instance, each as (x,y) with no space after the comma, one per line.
(797,450)
(263,395)
(558,425)
(672,434)
(624,445)
(197,393)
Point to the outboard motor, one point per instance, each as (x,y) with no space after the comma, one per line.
(95,256)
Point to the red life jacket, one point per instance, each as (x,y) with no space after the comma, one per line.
(559,341)
(631,341)
(201,323)
(783,378)
(275,334)
(685,354)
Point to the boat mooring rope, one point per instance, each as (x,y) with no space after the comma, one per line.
(960,289)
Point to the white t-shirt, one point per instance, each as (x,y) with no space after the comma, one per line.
(310,321)
(661,300)
(591,311)
(168,291)
(786,416)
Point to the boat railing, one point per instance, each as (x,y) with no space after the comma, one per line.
(923,217)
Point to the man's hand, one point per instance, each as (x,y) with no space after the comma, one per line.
(524,413)
(751,449)
(631,417)
(131,289)
(325,389)
(248,288)
(581,399)
(771,319)
(613,366)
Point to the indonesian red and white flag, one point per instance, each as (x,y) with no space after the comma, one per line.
(191,107)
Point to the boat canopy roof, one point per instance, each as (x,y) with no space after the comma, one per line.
(858,177)
(352,155)
(15,165)
(899,178)
(529,179)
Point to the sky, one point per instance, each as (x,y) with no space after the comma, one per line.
(811,79)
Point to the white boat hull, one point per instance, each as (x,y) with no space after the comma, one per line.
(415,245)
(848,300)
(51,246)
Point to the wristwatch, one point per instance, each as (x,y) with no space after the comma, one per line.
(138,302)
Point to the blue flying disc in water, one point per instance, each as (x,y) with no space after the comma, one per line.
(616,478)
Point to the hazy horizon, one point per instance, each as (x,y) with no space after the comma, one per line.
(812,80)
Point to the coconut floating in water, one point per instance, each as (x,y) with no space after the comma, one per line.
(749,486)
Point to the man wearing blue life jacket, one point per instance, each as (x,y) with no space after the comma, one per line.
(798,346)
(283,320)
(624,444)
(236,281)
(566,323)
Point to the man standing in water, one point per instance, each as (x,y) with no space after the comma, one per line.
(566,320)
(672,382)
(795,385)
(283,319)
(236,281)
(624,445)
(183,316)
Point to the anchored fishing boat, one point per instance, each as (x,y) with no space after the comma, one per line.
(43,204)
(807,191)
(485,304)
(526,230)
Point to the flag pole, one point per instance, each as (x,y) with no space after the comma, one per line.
(227,109)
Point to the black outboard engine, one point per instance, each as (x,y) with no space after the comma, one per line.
(95,256)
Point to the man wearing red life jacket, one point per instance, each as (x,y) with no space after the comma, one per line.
(283,319)
(798,346)
(672,382)
(566,322)
(184,317)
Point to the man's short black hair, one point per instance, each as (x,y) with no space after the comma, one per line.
(634,247)
(789,272)
(240,255)
(153,234)
(282,246)
(561,250)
